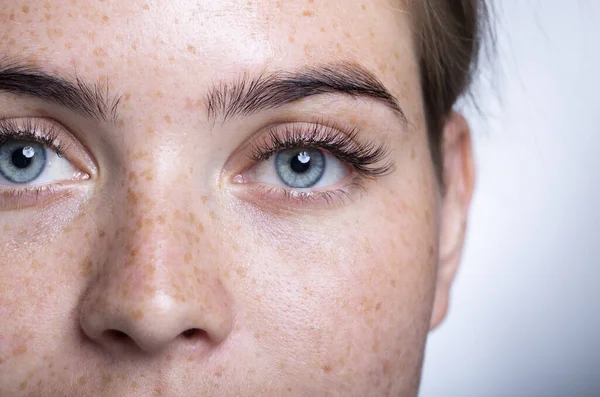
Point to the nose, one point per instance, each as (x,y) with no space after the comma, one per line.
(152,292)
(153,323)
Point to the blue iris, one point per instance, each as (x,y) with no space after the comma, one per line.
(22,161)
(300,168)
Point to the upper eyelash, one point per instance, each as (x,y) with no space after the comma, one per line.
(363,156)
(32,130)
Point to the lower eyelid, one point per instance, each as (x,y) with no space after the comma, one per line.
(22,198)
(277,198)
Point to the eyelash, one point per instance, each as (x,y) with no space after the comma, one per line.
(367,158)
(32,130)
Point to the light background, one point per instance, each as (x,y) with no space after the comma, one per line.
(524,318)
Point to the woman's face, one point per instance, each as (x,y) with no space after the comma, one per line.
(217,198)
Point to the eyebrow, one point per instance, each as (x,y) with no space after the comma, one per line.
(90,99)
(248,95)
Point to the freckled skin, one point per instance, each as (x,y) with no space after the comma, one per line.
(151,279)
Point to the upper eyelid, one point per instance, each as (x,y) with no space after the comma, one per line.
(343,142)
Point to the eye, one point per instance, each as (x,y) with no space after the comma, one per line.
(27,162)
(300,168)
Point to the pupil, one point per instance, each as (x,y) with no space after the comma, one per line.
(20,160)
(301,162)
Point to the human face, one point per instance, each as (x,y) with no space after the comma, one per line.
(197,237)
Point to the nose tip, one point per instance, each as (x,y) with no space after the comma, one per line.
(165,322)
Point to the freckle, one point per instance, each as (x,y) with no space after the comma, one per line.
(291,39)
(322,30)
(106,378)
(363,6)
(168,119)
(159,94)
(82,380)
(146,7)
(99,51)
(307,13)
(23,385)
(48,16)
(105,19)
(25,9)
(20,350)
(191,49)
(171,59)
(339,47)
(213,216)
(241,272)
(327,368)
(138,314)
(413,154)
(86,269)
(204,199)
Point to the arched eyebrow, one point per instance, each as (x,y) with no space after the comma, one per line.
(90,99)
(249,95)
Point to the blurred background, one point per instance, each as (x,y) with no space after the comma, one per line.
(525,312)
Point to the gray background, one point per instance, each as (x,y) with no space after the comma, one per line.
(525,311)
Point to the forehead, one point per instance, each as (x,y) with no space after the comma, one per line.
(207,40)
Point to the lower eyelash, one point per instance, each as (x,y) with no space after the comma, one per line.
(339,196)
(367,158)
(27,197)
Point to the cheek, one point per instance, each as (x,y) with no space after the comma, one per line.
(43,267)
(351,307)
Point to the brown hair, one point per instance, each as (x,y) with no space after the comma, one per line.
(448,38)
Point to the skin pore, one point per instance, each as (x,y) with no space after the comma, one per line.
(167,261)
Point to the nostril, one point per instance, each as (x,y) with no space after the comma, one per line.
(116,335)
(193,333)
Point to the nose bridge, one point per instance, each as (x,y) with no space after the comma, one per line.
(159,279)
